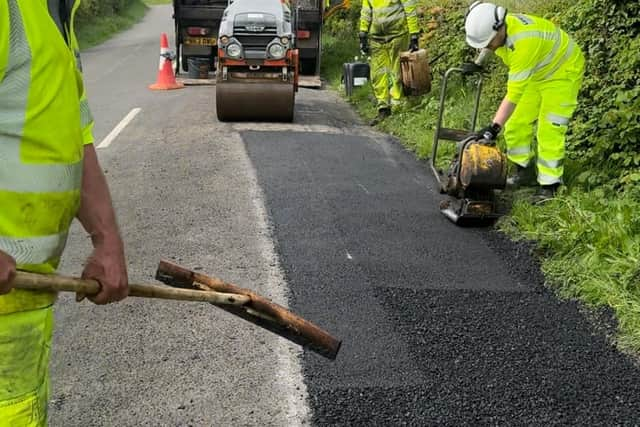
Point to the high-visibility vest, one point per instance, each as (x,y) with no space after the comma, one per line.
(385,20)
(44,123)
(536,50)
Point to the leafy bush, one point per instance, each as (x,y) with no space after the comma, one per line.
(91,9)
(606,129)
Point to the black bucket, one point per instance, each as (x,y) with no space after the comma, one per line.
(354,74)
(199,68)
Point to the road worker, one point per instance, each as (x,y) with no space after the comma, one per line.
(545,74)
(387,27)
(49,174)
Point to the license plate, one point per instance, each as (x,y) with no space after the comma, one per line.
(201,41)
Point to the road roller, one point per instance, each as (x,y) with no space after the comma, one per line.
(477,170)
(257,73)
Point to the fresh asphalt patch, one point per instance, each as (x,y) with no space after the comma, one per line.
(440,324)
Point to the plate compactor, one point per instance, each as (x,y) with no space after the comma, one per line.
(257,73)
(476,171)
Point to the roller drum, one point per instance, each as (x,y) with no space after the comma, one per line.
(264,100)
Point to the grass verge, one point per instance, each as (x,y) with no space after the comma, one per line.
(588,239)
(93,32)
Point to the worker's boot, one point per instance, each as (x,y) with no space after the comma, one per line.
(523,177)
(545,192)
(383,113)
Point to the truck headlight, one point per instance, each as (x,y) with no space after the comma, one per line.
(234,50)
(276,51)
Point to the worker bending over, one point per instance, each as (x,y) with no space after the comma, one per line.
(49,174)
(385,26)
(545,75)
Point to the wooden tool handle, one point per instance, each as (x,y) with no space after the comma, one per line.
(53,283)
(259,310)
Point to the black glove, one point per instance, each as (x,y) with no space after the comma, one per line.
(470,68)
(489,133)
(364,43)
(413,44)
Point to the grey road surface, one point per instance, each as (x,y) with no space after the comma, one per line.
(184,189)
(441,325)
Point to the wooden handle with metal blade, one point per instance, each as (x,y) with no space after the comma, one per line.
(54,283)
(259,310)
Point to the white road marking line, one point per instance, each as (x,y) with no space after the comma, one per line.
(119,128)
(349,255)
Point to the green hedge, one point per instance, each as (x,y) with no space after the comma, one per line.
(92,9)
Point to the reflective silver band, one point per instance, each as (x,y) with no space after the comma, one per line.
(548,179)
(389,10)
(551,163)
(556,36)
(557,119)
(15,175)
(34,250)
(564,59)
(518,151)
(86,118)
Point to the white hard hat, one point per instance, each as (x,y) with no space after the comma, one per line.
(483,22)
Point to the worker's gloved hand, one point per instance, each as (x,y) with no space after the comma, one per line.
(7,272)
(364,43)
(489,133)
(413,44)
(470,68)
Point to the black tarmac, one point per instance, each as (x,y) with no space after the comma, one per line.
(441,325)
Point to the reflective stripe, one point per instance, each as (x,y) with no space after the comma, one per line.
(545,35)
(556,36)
(557,119)
(564,59)
(548,179)
(410,3)
(551,163)
(389,10)
(519,151)
(547,59)
(34,250)
(394,18)
(522,75)
(86,118)
(15,175)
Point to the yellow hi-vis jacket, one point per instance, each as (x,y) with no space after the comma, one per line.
(44,123)
(535,50)
(385,20)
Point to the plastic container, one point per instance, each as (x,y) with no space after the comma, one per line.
(416,72)
(199,68)
(354,74)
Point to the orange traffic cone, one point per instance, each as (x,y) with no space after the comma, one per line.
(166,78)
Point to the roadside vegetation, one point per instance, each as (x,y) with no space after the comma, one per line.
(97,20)
(588,238)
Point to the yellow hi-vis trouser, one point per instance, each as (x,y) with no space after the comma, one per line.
(551,103)
(386,77)
(25,342)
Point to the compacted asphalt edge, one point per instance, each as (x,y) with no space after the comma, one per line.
(441,325)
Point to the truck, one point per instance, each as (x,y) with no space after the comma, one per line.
(197,25)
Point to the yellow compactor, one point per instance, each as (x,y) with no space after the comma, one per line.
(477,170)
